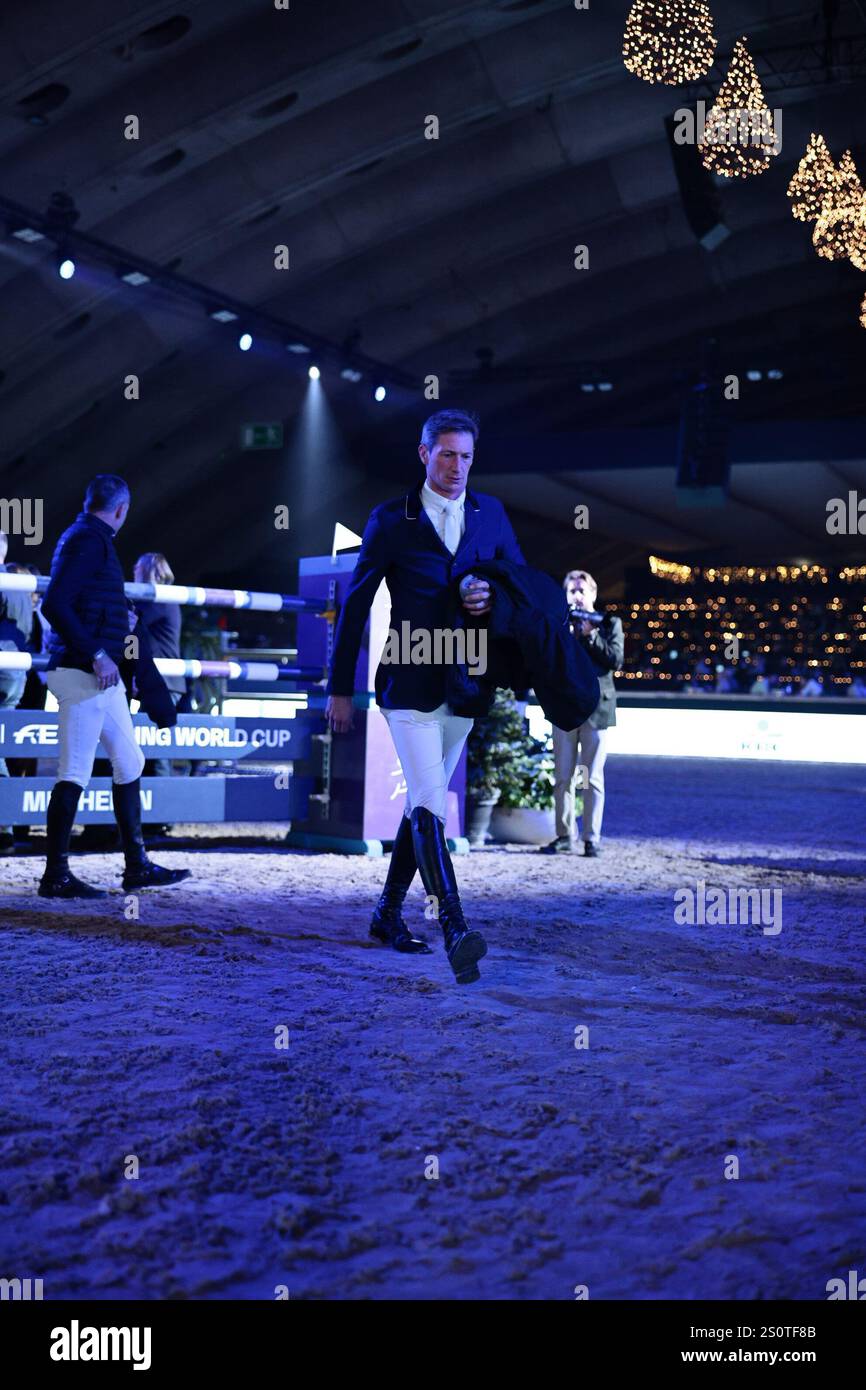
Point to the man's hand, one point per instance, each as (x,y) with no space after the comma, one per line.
(586,628)
(340,713)
(105,671)
(477,598)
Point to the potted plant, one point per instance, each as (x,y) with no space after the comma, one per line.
(524,814)
(487,756)
(481,794)
(509,770)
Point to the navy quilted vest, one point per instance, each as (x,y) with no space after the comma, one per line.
(100,603)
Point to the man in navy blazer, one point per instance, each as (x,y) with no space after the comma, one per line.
(418,543)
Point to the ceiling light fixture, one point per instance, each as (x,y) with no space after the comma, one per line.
(739,133)
(839,230)
(28,234)
(669,42)
(812,180)
(130,276)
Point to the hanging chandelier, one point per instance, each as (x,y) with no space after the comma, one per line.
(812,180)
(857,243)
(739,135)
(669,41)
(838,228)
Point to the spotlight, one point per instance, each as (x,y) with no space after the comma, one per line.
(349,374)
(314,373)
(379,394)
(587,386)
(130,276)
(66,268)
(775,374)
(297,347)
(28,234)
(754,375)
(245,342)
(605,386)
(222,315)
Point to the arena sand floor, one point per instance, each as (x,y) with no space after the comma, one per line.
(308,1167)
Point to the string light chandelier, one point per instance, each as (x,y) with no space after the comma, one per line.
(857,238)
(812,180)
(739,134)
(669,41)
(835,234)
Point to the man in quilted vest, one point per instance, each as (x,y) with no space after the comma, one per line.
(89,616)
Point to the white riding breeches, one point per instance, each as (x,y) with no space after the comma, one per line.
(88,715)
(428,744)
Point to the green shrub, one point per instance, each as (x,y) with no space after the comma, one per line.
(502,755)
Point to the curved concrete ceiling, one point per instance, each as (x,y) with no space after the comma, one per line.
(305,127)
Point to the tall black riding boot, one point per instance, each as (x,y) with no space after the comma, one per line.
(58,881)
(464,946)
(387,924)
(140,872)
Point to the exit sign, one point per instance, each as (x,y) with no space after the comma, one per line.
(262,436)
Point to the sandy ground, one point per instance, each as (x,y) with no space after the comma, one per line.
(558,1167)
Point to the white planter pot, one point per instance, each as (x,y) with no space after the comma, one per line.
(522,826)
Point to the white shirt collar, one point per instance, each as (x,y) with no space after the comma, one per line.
(429,498)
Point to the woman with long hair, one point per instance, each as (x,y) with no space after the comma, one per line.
(162,622)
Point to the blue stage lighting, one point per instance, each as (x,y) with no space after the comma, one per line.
(314,374)
(245,342)
(380,393)
(66,269)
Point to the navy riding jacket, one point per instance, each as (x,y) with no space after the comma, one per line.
(401,546)
(529,645)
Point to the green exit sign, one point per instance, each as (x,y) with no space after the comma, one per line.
(262,436)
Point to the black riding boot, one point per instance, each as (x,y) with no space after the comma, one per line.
(58,881)
(387,924)
(139,872)
(464,946)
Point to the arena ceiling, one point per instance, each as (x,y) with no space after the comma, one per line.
(410,256)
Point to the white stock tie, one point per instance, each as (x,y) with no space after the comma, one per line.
(451,529)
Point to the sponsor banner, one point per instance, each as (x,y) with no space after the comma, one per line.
(165,800)
(777,735)
(27,733)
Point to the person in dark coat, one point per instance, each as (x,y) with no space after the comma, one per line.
(162,622)
(87,609)
(586,746)
(418,543)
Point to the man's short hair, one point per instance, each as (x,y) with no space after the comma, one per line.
(580,574)
(105,492)
(446,421)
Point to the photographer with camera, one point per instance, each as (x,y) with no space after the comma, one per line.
(602,638)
